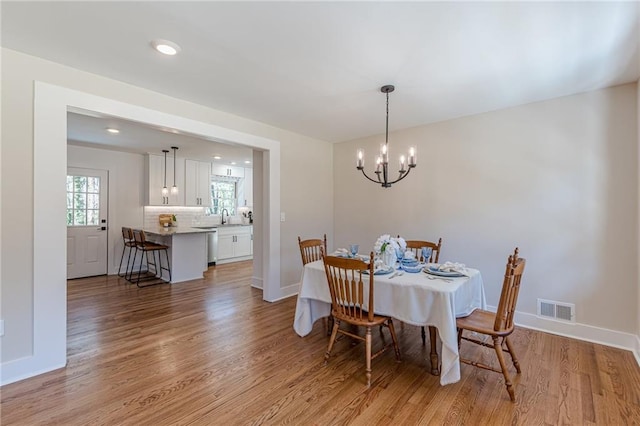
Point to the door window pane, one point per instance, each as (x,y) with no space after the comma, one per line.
(93,185)
(83,201)
(93,217)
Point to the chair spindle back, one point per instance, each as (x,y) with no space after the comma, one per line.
(416,247)
(347,288)
(509,295)
(311,250)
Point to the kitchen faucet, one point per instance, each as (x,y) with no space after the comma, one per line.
(224,210)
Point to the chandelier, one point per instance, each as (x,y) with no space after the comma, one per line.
(382,161)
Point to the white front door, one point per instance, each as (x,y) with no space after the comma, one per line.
(87,191)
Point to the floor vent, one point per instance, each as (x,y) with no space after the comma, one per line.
(557,310)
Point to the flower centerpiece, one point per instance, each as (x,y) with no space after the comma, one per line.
(388,248)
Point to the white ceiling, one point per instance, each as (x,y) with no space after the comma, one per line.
(316,67)
(90,130)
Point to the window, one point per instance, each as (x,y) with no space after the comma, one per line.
(83,201)
(223,195)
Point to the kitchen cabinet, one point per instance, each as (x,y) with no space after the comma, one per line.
(155,167)
(197,185)
(224,170)
(246,197)
(234,243)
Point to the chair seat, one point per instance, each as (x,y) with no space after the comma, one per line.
(153,246)
(481,321)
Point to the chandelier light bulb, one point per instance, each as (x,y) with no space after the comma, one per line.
(360,161)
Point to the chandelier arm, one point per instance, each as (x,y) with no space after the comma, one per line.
(372,180)
(402,176)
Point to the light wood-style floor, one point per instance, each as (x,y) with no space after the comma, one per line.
(211,352)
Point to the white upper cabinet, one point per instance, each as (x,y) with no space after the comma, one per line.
(247,196)
(224,170)
(156,179)
(197,189)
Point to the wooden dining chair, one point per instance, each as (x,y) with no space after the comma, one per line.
(416,247)
(310,250)
(352,302)
(498,325)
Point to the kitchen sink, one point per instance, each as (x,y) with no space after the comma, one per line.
(204,227)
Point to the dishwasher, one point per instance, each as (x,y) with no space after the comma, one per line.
(212,247)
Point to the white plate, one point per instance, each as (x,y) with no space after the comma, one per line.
(433,270)
(380,271)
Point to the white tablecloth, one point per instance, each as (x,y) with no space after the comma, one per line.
(411,298)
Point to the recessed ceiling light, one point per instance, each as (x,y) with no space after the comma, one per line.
(233,163)
(217,157)
(247,162)
(166,47)
(112,130)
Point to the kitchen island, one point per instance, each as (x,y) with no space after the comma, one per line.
(187,250)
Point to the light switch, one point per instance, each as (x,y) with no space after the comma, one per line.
(1,328)
(281,216)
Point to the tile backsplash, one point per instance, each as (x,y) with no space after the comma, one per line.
(186,216)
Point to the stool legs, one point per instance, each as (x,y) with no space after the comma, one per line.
(157,265)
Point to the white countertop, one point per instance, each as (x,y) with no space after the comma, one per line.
(173,230)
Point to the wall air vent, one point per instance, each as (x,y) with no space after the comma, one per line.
(557,310)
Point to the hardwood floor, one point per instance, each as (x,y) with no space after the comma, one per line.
(211,352)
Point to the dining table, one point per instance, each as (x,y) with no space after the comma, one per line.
(418,299)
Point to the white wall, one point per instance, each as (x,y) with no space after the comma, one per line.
(558,178)
(19,72)
(638,281)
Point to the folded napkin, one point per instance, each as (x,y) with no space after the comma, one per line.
(341,252)
(453,267)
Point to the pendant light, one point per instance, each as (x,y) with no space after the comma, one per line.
(165,191)
(382,162)
(174,188)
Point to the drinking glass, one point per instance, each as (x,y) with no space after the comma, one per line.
(353,248)
(426,254)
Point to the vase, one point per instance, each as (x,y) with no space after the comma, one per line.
(389,257)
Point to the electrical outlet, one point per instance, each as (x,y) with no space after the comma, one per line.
(1,328)
(281,216)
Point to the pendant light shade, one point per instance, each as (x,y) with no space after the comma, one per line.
(165,190)
(174,188)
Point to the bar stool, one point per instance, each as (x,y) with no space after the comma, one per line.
(127,237)
(149,249)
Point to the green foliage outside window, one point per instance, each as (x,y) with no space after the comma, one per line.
(83,201)
(223,196)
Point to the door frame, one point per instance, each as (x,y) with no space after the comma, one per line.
(51,104)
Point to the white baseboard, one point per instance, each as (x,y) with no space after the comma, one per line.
(256,282)
(588,333)
(288,291)
(23,368)
(283,293)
